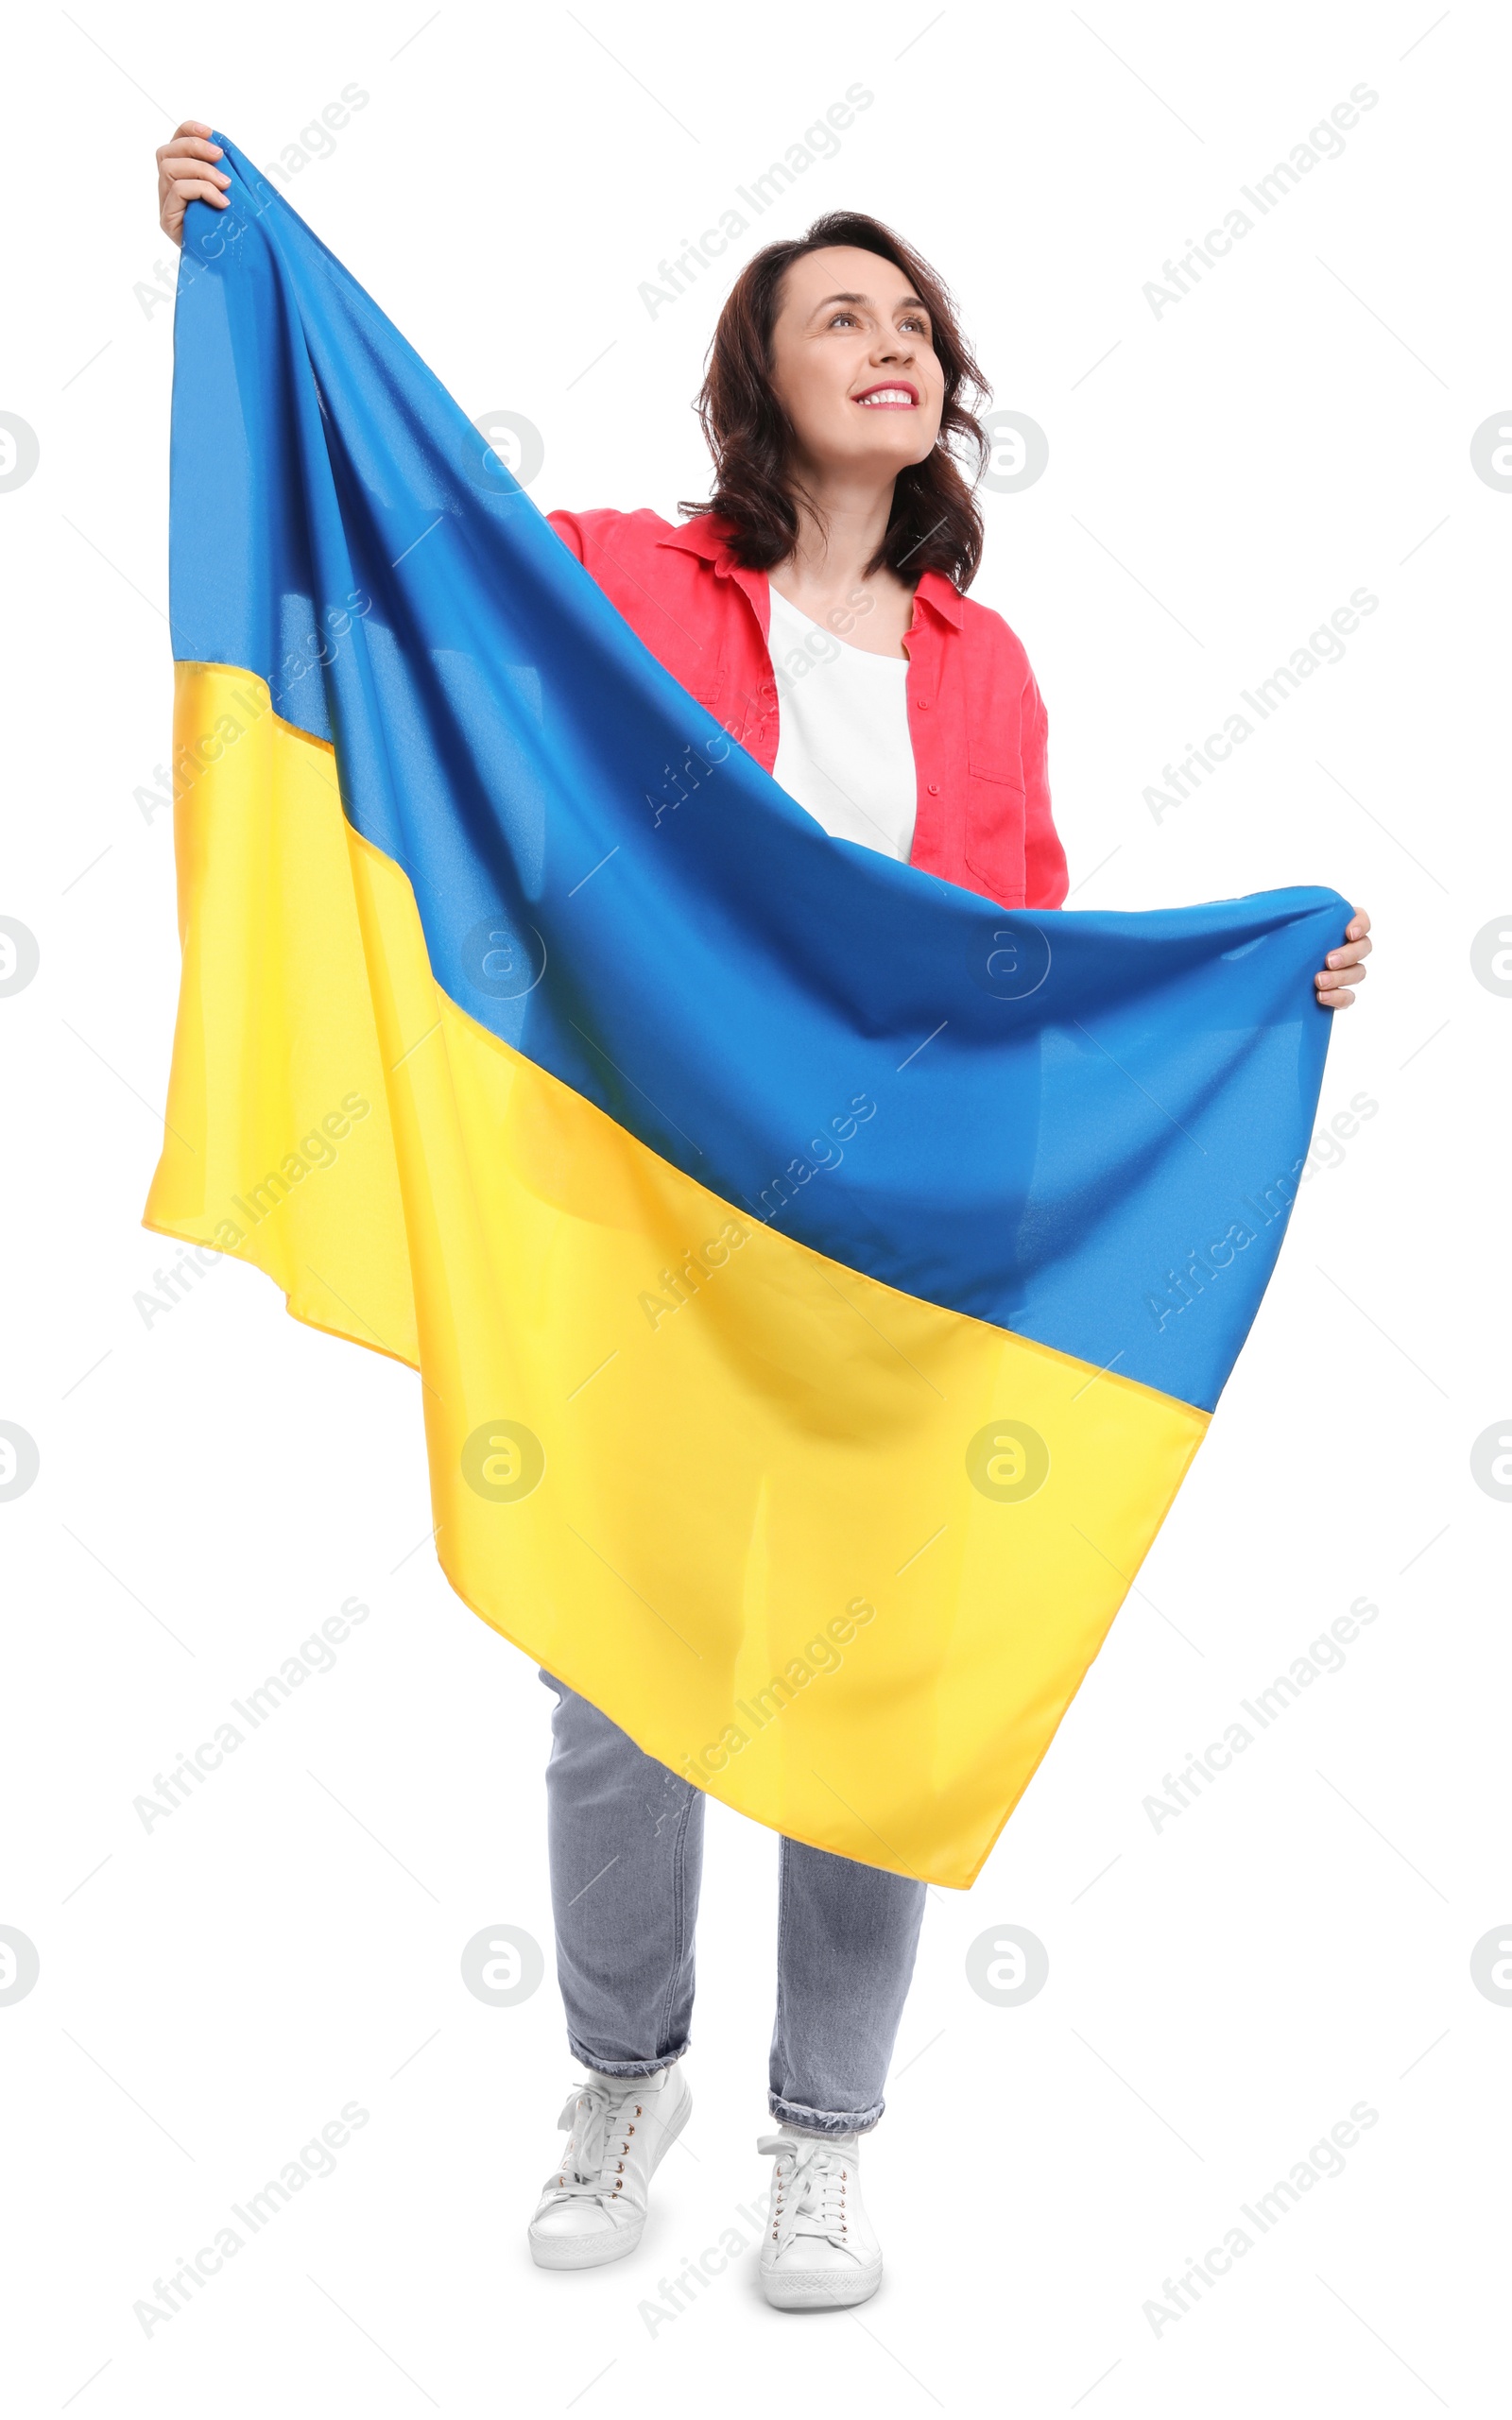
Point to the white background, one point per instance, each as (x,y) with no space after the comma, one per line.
(213,1486)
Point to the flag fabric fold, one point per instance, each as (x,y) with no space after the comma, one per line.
(820,1277)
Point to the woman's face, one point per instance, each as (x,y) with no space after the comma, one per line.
(853,364)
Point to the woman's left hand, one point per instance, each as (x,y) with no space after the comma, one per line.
(1344,966)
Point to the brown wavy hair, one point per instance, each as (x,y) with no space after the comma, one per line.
(935,524)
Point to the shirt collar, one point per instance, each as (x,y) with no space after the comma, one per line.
(941,596)
(708,534)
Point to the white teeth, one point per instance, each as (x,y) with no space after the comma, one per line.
(886,395)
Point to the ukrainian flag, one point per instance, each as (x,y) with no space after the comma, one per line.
(820,1277)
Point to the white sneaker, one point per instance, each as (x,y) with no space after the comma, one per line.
(819,2252)
(592,2209)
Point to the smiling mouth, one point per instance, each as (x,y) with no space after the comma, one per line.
(888,399)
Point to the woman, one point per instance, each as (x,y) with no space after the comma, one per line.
(817,604)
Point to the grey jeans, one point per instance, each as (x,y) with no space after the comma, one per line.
(626,1856)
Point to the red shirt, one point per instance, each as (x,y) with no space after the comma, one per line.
(975,716)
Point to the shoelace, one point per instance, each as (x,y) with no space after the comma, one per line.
(601,2123)
(810,2189)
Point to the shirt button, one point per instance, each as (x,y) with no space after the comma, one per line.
(934,789)
(923,705)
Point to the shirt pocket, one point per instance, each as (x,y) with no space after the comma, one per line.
(994,802)
(722,696)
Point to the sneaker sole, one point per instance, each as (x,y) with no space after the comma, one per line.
(615,2243)
(821,2289)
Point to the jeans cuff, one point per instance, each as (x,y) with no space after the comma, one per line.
(823,2121)
(623,2067)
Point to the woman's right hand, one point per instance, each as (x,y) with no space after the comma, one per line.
(187,172)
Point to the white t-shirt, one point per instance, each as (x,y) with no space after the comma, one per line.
(843,749)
